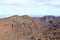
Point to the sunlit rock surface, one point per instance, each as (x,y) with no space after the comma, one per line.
(30,28)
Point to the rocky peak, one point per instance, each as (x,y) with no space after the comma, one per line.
(25,16)
(30,28)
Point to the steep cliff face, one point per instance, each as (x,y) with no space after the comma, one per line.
(30,28)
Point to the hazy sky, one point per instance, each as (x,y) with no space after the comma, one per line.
(29,7)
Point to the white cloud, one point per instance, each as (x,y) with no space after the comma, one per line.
(30,1)
(30,7)
(48,1)
(55,2)
(14,1)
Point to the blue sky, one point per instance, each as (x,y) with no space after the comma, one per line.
(34,8)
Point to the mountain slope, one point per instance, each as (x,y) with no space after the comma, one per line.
(30,28)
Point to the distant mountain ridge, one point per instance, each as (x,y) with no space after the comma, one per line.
(30,28)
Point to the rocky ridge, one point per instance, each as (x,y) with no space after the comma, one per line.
(30,28)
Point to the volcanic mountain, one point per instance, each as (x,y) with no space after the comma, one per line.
(30,28)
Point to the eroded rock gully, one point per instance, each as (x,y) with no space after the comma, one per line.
(30,28)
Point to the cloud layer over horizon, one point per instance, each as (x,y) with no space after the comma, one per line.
(35,8)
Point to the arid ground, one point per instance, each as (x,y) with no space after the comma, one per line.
(30,28)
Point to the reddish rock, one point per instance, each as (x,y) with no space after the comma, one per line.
(30,28)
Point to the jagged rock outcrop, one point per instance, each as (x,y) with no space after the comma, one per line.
(30,28)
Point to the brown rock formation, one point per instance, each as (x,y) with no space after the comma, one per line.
(30,28)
